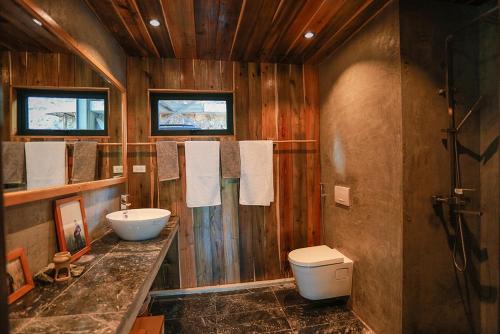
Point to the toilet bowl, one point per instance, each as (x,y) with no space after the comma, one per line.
(321,272)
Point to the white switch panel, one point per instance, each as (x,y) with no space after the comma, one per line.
(139,168)
(342,195)
(117,169)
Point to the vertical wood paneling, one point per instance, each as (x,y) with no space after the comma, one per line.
(270,131)
(186,231)
(61,70)
(242,130)
(256,217)
(66,70)
(311,104)
(42,69)
(285,165)
(19,68)
(204,257)
(137,120)
(233,243)
(230,230)
(216,245)
(298,158)
(5,82)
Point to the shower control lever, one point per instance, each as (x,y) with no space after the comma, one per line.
(454,200)
(460,191)
(468,212)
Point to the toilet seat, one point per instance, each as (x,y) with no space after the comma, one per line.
(315,256)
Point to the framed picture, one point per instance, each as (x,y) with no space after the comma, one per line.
(71,224)
(19,280)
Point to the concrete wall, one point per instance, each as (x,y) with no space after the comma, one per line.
(32,227)
(361,147)
(89,32)
(436,297)
(488,65)
(381,121)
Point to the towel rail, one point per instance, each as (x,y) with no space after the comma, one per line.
(290,141)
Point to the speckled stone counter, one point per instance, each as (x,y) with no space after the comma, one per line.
(106,298)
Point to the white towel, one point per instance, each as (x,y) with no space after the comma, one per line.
(256,181)
(202,173)
(45,164)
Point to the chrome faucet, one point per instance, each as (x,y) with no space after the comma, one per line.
(124,203)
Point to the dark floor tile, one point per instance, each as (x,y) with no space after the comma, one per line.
(263,321)
(246,302)
(243,291)
(306,315)
(186,307)
(353,326)
(191,325)
(290,297)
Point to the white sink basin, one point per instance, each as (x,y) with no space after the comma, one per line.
(138,224)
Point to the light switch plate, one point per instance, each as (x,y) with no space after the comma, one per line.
(117,169)
(139,168)
(342,195)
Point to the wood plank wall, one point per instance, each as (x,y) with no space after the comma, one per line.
(37,69)
(232,243)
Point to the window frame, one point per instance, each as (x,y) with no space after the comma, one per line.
(22,95)
(155,96)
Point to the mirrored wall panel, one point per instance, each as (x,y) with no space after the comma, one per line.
(62,121)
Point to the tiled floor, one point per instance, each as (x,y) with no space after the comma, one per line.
(278,309)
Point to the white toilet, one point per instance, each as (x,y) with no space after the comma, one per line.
(321,272)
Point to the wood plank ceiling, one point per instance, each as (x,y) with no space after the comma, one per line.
(241,30)
(20,33)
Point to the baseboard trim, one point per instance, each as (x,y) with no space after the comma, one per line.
(220,288)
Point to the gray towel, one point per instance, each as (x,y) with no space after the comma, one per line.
(13,162)
(230,159)
(167,160)
(84,161)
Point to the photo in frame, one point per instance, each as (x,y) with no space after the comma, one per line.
(19,280)
(71,224)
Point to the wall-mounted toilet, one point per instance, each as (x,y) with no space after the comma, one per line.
(321,272)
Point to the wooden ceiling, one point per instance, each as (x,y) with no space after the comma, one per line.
(245,30)
(20,33)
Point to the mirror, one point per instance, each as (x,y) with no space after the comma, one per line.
(62,119)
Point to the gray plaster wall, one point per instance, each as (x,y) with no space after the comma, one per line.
(361,147)
(92,35)
(436,297)
(32,226)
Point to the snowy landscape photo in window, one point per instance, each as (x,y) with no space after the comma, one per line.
(54,112)
(191,113)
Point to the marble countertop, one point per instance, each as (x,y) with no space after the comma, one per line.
(106,298)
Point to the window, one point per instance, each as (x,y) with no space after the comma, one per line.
(191,113)
(62,113)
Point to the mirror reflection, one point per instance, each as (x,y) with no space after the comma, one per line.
(62,119)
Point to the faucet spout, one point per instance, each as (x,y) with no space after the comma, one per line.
(124,203)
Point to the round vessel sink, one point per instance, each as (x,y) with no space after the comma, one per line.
(138,224)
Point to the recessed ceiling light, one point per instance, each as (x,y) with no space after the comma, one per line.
(309,35)
(37,22)
(154,22)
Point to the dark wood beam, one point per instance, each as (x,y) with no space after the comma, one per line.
(160,35)
(179,15)
(128,11)
(107,13)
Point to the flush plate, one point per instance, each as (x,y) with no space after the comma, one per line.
(342,195)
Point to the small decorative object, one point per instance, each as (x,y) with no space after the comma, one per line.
(19,280)
(76,271)
(71,223)
(62,261)
(46,274)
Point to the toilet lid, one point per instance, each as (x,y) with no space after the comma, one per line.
(315,256)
